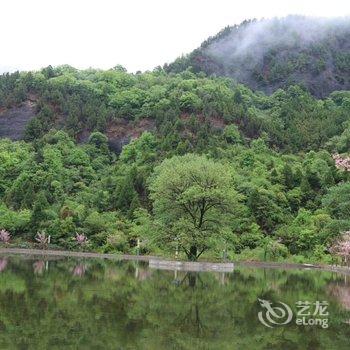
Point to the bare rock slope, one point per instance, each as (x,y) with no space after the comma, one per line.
(13,121)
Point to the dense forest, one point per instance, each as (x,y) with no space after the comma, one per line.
(173,163)
(272,53)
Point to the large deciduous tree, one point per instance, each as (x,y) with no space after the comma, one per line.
(194,200)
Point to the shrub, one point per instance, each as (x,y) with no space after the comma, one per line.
(275,250)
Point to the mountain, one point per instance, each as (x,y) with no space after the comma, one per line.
(272,53)
(185,110)
(95,141)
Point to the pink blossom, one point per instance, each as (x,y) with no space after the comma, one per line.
(5,236)
(81,238)
(342,247)
(342,163)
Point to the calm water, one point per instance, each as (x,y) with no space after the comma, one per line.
(94,304)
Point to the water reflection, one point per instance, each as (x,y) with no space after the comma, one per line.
(142,273)
(341,291)
(3,264)
(115,305)
(79,270)
(39,267)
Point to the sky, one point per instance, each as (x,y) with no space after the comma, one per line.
(138,34)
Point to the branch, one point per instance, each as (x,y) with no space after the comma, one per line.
(201,252)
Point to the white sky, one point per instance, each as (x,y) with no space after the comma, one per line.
(139,34)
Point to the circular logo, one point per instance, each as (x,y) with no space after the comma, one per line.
(274,315)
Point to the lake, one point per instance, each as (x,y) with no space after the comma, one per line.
(68,303)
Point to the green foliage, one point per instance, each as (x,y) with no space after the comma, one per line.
(270,158)
(16,222)
(194,200)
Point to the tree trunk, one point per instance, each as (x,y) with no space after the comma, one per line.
(192,279)
(193,253)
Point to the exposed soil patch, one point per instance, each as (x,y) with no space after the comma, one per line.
(13,121)
(121,131)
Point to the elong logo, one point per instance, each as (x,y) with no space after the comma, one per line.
(282,314)
(277,315)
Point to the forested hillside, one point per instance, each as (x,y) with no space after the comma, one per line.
(268,54)
(159,162)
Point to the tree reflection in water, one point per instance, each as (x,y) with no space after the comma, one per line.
(79,270)
(125,305)
(39,267)
(3,264)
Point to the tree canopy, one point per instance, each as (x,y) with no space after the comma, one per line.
(194,199)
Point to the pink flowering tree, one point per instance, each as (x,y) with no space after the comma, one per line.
(342,163)
(81,239)
(341,247)
(5,236)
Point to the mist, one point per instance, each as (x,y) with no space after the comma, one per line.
(249,46)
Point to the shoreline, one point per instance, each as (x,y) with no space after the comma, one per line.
(159,262)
